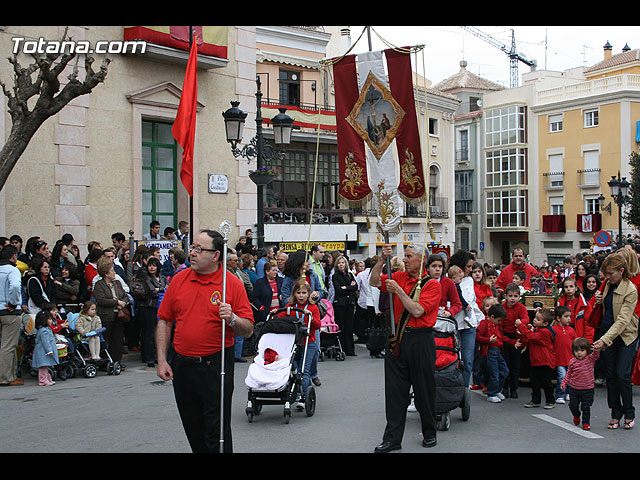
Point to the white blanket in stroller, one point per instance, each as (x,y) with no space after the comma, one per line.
(271,376)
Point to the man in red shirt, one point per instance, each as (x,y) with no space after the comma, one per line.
(517,263)
(193,304)
(410,358)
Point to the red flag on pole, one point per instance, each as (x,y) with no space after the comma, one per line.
(184,127)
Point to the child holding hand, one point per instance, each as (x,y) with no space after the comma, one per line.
(512,351)
(45,352)
(489,337)
(580,381)
(542,357)
(565,335)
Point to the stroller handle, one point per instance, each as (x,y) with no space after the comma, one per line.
(288,309)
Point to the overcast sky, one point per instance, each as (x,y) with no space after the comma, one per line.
(566,47)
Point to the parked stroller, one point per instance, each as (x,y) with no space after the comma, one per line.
(451,391)
(82,355)
(65,369)
(330,335)
(274,377)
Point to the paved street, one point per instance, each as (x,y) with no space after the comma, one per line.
(135,412)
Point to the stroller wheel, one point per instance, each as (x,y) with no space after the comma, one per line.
(287,414)
(443,421)
(465,405)
(66,370)
(340,356)
(90,370)
(310,401)
(33,372)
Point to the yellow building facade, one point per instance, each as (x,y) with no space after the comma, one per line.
(585,130)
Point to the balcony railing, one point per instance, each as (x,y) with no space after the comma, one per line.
(438,209)
(591,87)
(589,177)
(553,180)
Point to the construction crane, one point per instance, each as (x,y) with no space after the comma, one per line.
(511,52)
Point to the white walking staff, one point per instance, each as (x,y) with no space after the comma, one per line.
(225,230)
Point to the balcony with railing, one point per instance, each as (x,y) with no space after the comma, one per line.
(589,178)
(439,209)
(598,86)
(553,180)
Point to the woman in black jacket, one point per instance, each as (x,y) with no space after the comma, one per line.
(344,301)
(263,293)
(39,286)
(154,284)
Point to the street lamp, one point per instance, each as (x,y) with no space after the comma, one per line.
(619,190)
(258,148)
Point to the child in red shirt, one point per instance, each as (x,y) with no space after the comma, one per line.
(541,355)
(490,339)
(300,297)
(565,335)
(572,297)
(511,351)
(480,284)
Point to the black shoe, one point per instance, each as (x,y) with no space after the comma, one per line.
(513,394)
(386,447)
(240,360)
(429,442)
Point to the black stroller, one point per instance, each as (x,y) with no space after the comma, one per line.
(81,356)
(451,391)
(275,376)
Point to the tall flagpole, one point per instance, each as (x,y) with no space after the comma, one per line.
(225,230)
(191,226)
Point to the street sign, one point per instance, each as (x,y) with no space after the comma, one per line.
(481,245)
(602,238)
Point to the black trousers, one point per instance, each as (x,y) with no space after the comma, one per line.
(415,366)
(196,387)
(580,401)
(513,358)
(343,315)
(541,378)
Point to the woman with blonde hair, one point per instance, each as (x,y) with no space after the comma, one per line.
(613,311)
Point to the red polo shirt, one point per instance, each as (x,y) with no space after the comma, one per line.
(192,301)
(506,275)
(429,299)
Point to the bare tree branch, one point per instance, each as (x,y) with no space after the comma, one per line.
(51,99)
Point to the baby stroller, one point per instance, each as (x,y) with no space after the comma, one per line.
(274,377)
(82,355)
(330,335)
(65,368)
(451,391)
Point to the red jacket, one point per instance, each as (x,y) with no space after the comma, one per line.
(315,317)
(506,275)
(450,294)
(564,338)
(578,306)
(482,291)
(518,311)
(540,342)
(484,331)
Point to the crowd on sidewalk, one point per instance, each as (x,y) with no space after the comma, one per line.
(587,336)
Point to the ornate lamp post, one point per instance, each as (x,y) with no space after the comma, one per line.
(619,190)
(258,148)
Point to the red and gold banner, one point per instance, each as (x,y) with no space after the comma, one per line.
(407,137)
(354,185)
(212,40)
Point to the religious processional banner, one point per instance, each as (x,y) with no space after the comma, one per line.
(372,114)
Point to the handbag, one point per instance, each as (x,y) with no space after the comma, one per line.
(124,315)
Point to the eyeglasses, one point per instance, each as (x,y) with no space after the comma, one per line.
(199,249)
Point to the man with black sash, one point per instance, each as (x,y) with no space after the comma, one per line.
(411,353)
